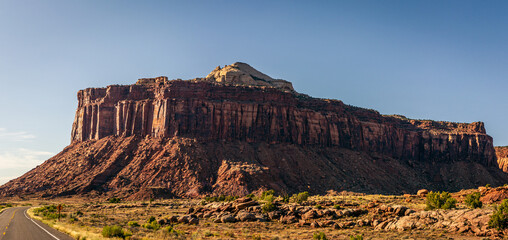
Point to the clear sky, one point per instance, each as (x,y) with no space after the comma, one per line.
(440,60)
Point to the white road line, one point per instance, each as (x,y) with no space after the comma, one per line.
(40,226)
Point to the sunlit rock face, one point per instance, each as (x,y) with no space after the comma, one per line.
(502,158)
(243,74)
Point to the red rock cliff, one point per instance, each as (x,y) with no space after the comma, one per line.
(220,112)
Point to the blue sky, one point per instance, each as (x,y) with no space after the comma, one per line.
(440,60)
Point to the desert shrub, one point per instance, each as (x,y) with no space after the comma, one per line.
(8,205)
(151,223)
(48,212)
(499,219)
(229,234)
(337,206)
(256,237)
(269,198)
(285,198)
(319,236)
(488,185)
(440,200)
(357,237)
(300,197)
(114,200)
(115,231)
(318,206)
(221,198)
(268,207)
(153,226)
(73,218)
(173,231)
(267,194)
(210,234)
(230,198)
(133,224)
(251,195)
(473,200)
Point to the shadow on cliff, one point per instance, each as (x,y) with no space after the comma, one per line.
(141,168)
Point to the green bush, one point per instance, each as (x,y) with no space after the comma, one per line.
(499,219)
(318,206)
(357,237)
(268,207)
(221,198)
(319,236)
(230,198)
(115,231)
(440,200)
(488,185)
(300,197)
(172,230)
(267,194)
(48,212)
(269,198)
(133,224)
(154,225)
(337,206)
(150,219)
(114,200)
(473,200)
(285,198)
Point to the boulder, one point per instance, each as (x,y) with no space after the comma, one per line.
(243,216)
(228,218)
(422,192)
(309,215)
(243,205)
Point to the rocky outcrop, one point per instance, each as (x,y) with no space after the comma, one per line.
(244,75)
(502,158)
(238,130)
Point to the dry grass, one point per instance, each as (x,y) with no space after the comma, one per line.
(96,215)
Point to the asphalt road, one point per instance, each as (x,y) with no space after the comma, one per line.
(15,224)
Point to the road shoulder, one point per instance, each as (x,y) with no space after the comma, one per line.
(71,230)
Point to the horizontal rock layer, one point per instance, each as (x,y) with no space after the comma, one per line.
(216,112)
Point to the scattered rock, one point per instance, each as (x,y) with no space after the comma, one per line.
(288,219)
(244,205)
(422,192)
(243,216)
(228,218)
(310,215)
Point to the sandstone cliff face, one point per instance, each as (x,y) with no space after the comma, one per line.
(502,158)
(215,112)
(238,130)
